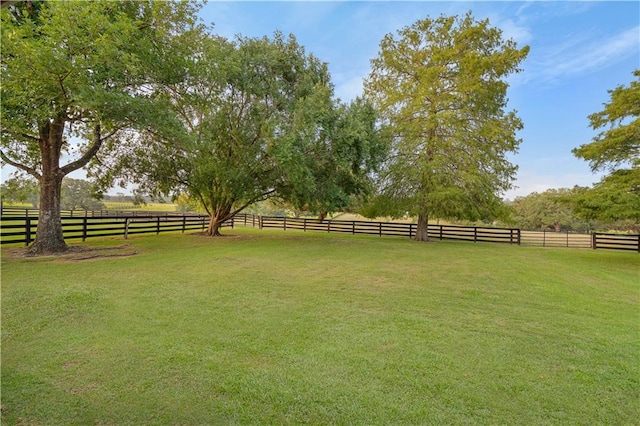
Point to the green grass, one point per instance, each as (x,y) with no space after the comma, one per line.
(147,207)
(273,327)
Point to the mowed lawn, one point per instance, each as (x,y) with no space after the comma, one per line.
(273,327)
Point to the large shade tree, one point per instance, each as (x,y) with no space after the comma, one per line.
(258,121)
(440,87)
(616,150)
(79,70)
(344,148)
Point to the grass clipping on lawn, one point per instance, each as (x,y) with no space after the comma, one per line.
(299,328)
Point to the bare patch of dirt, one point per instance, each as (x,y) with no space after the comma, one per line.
(204,234)
(223,237)
(77,253)
(81,253)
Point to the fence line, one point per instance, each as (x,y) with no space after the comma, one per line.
(556,239)
(441,232)
(630,242)
(22,229)
(19,225)
(23,211)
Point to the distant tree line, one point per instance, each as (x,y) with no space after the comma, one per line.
(560,210)
(76,194)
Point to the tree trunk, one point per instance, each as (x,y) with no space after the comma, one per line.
(218,214)
(213,230)
(557,226)
(423,227)
(49,238)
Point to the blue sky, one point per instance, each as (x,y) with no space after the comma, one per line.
(579,51)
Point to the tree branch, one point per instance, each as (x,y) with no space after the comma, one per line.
(262,196)
(20,166)
(89,154)
(33,138)
(204,204)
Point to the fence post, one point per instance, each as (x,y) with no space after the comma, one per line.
(157,224)
(353,227)
(184,222)
(593,241)
(285,223)
(519,233)
(544,237)
(567,239)
(84,227)
(126,228)
(28,230)
(304,224)
(328,226)
(259,222)
(380,228)
(475,234)
(440,231)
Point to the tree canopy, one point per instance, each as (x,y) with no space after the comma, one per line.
(258,119)
(439,86)
(79,194)
(79,70)
(616,149)
(20,189)
(551,209)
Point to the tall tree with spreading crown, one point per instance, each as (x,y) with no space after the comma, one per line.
(440,87)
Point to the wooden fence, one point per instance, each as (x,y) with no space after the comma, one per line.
(21,211)
(408,230)
(555,239)
(630,242)
(22,229)
(20,226)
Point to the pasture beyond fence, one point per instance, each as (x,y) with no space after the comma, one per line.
(22,229)
(20,226)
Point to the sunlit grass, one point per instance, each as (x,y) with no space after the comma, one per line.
(150,207)
(288,328)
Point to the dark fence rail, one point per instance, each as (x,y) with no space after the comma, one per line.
(22,229)
(630,242)
(408,230)
(21,211)
(19,225)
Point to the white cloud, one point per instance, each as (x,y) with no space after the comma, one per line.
(519,32)
(582,53)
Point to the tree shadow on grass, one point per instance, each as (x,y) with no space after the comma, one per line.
(76,253)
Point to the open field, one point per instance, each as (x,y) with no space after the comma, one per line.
(150,207)
(267,327)
(113,205)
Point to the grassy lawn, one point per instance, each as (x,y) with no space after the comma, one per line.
(272,327)
(148,207)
